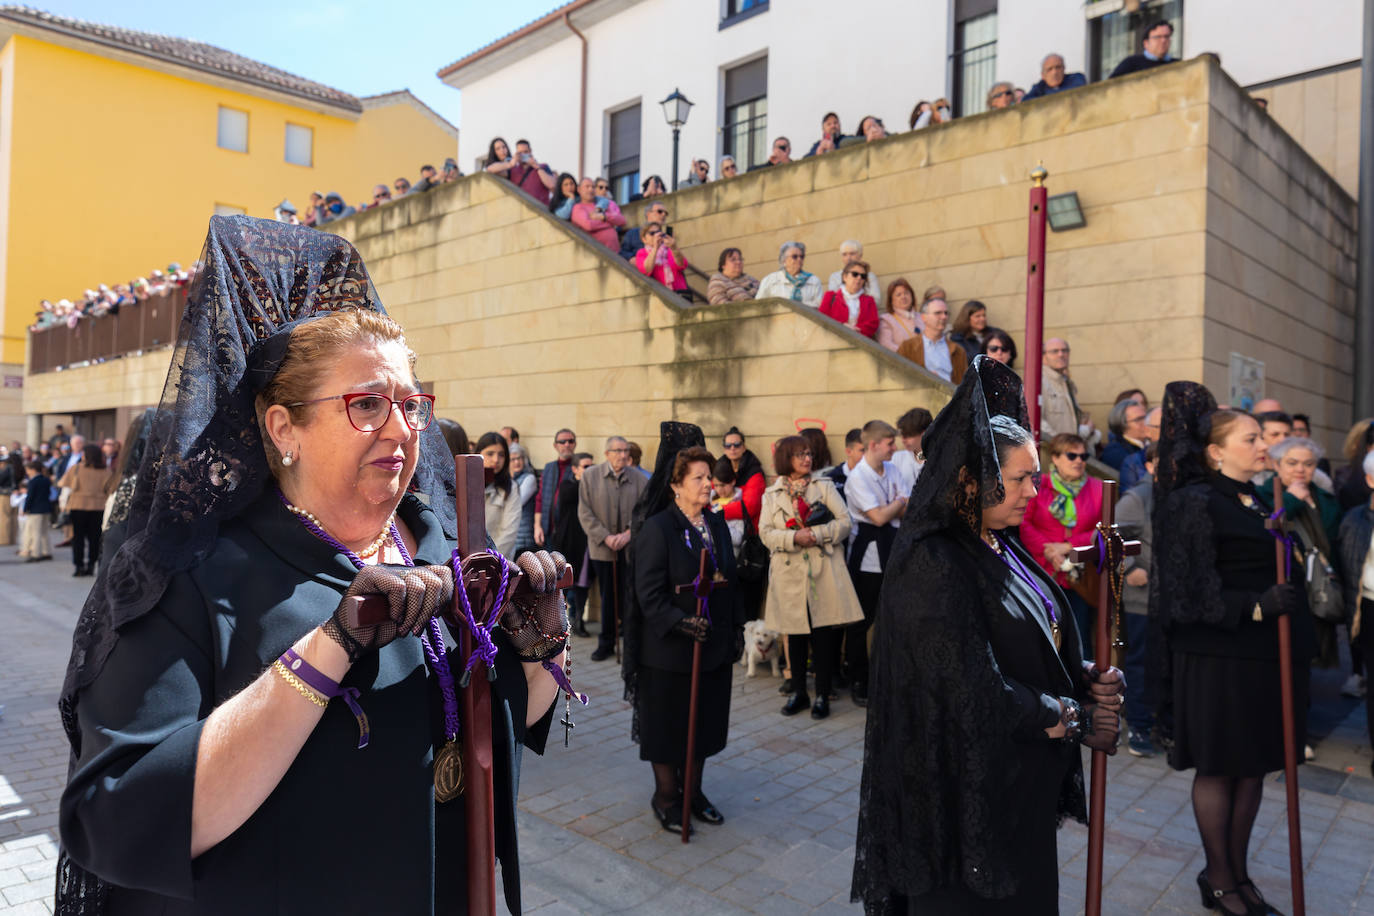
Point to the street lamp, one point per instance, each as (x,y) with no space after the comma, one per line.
(675,109)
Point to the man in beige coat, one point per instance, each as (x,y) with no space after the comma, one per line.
(1059,410)
(606,500)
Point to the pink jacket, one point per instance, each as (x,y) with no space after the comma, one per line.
(601,230)
(1039,528)
(660,270)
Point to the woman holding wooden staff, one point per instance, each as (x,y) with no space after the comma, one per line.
(672,526)
(240,742)
(979,697)
(1216,602)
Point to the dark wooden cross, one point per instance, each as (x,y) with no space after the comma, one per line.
(701,589)
(1103,551)
(481,580)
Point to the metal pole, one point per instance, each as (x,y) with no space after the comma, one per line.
(675,136)
(1035,296)
(1364,301)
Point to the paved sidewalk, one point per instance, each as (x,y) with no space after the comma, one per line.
(788,788)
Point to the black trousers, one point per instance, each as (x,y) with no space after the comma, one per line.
(867,585)
(86,536)
(1366,642)
(822,641)
(607,573)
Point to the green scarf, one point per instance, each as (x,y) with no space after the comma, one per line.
(1065,492)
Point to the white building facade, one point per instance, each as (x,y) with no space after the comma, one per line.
(583,84)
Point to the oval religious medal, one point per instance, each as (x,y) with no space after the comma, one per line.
(448,773)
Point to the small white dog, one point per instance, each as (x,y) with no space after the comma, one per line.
(761,645)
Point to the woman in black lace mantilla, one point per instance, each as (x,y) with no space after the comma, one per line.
(979,696)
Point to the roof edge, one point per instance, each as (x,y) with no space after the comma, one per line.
(529,29)
(405,96)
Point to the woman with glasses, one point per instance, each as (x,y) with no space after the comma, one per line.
(805,524)
(901,321)
(660,259)
(1062,516)
(730,283)
(791,281)
(978,691)
(850,305)
(220,686)
(727,168)
(999,345)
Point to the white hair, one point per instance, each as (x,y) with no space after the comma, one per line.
(1281,448)
(857,246)
(1046,59)
(782,252)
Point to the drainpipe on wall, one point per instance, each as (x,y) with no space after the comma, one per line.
(582,107)
(1364,301)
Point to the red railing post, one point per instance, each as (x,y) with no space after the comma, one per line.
(1035,296)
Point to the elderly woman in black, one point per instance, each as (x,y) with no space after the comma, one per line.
(220,695)
(1216,602)
(978,692)
(675,531)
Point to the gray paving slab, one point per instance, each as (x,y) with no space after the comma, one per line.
(788,788)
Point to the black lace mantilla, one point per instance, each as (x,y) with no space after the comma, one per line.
(204,461)
(929,812)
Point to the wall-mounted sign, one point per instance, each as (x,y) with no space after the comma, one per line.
(1247,381)
(14,381)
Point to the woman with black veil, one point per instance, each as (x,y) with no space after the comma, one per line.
(241,743)
(671,526)
(1216,604)
(979,696)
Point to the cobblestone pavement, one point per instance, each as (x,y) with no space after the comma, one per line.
(788,789)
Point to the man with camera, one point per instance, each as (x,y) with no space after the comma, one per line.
(530,175)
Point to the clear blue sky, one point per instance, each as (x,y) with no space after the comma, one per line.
(360,46)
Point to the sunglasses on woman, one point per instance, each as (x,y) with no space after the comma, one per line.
(1076,456)
(369,411)
(997,348)
(855,273)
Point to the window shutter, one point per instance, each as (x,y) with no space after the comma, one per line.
(746,82)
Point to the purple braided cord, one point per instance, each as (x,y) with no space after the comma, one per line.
(482,645)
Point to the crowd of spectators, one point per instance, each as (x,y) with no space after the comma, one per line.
(326,207)
(108,300)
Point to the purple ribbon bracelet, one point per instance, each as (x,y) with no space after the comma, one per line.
(322,684)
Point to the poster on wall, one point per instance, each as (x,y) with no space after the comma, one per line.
(1247,381)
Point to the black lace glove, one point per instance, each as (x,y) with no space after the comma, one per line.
(1100,728)
(1070,716)
(537,622)
(698,628)
(1279,600)
(1105,687)
(413,594)
(739,644)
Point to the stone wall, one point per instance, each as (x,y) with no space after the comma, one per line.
(518,320)
(1321,111)
(947,205)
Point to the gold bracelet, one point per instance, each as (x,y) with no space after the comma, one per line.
(300,685)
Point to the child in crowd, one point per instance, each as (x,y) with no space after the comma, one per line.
(38,506)
(723,483)
(17,497)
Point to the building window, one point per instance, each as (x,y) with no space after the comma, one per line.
(622,169)
(233,129)
(746,114)
(733,11)
(973,65)
(1115,36)
(300,145)
(229,210)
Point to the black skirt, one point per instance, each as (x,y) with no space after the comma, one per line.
(663,701)
(1228,715)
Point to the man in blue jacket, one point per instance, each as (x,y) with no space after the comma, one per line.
(1053,78)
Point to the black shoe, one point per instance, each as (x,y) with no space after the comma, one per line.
(670,817)
(796,703)
(859,693)
(704,811)
(66,543)
(1212,897)
(79,571)
(786,687)
(821,708)
(600,655)
(1260,908)
(48,557)
(580,629)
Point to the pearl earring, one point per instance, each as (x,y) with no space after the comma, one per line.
(288,459)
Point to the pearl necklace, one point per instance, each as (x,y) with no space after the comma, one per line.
(362,554)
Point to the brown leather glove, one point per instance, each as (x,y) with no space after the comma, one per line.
(413,594)
(537,623)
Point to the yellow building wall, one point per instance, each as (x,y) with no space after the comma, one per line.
(114,169)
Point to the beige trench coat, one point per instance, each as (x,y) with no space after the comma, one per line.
(814,576)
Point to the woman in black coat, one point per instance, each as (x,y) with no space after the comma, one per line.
(1216,604)
(978,694)
(667,564)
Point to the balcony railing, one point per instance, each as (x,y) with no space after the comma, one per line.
(147,325)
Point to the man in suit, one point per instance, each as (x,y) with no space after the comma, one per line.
(606,499)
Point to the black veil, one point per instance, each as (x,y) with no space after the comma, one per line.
(203,460)
(657,496)
(937,761)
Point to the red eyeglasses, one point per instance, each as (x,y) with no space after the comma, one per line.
(369,411)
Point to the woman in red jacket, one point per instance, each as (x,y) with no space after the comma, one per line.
(750,481)
(851,306)
(1064,515)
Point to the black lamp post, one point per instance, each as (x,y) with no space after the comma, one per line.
(675,109)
